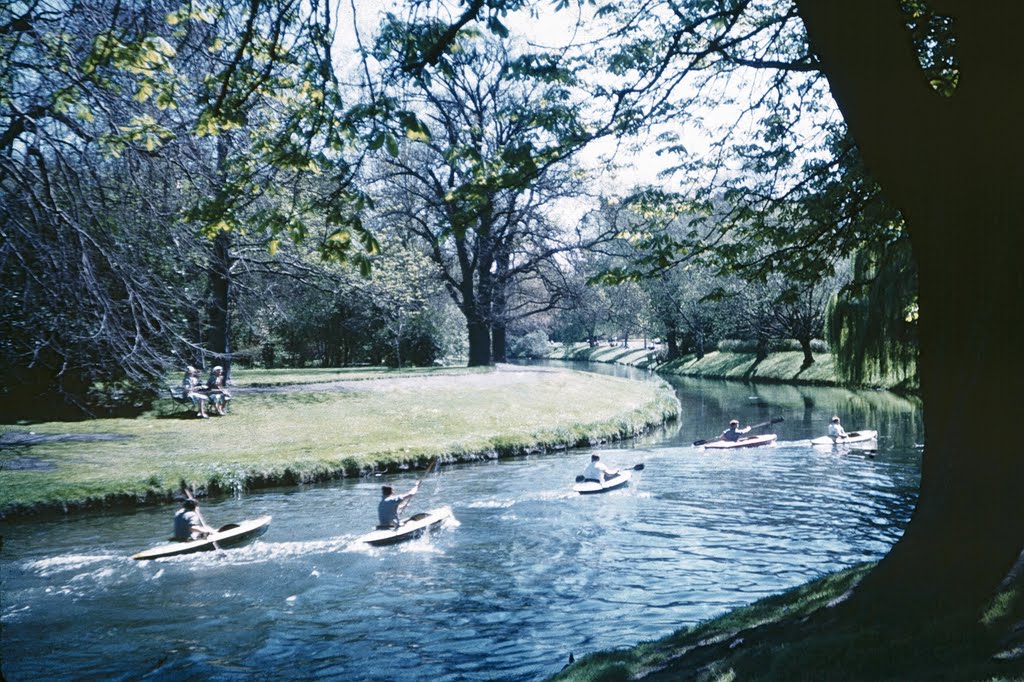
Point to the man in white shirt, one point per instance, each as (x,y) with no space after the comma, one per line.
(835,430)
(597,471)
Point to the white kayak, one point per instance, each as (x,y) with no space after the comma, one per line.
(852,438)
(744,442)
(617,481)
(412,527)
(231,535)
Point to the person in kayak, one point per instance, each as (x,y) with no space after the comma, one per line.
(390,505)
(597,471)
(734,431)
(187,523)
(836,430)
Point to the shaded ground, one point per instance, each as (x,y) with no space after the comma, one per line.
(814,633)
(10,439)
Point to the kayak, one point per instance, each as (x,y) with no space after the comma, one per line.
(231,535)
(412,527)
(852,437)
(617,481)
(745,442)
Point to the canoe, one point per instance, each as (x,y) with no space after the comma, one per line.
(231,535)
(412,527)
(852,438)
(616,481)
(744,442)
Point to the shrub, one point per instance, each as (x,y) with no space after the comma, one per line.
(533,345)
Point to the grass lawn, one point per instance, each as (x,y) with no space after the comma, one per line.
(778,367)
(334,423)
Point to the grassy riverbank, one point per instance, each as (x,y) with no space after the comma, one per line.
(798,636)
(779,367)
(333,424)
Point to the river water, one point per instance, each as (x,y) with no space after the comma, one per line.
(527,573)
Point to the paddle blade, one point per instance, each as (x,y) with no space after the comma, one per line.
(776,420)
(639,467)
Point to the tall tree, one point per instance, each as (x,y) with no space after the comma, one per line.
(108,99)
(473,183)
(953,170)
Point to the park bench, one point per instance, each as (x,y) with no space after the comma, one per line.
(178,395)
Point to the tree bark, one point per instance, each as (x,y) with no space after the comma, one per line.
(805,346)
(953,167)
(479,343)
(220,302)
(672,341)
(220,280)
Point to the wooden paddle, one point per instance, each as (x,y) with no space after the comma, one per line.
(418,483)
(775,420)
(635,467)
(188,493)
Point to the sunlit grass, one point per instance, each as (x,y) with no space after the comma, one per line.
(272,438)
(312,375)
(781,366)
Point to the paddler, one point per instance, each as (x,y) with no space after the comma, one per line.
(388,507)
(836,430)
(597,471)
(188,525)
(734,431)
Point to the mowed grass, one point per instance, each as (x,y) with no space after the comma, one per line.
(288,437)
(285,377)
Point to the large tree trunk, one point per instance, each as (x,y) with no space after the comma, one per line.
(805,346)
(499,309)
(499,343)
(220,302)
(220,281)
(953,166)
(479,343)
(672,341)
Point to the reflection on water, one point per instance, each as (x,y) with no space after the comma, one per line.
(528,572)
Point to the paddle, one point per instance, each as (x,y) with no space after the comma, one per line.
(188,493)
(775,420)
(418,483)
(635,467)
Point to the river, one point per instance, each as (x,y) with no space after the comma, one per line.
(528,572)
